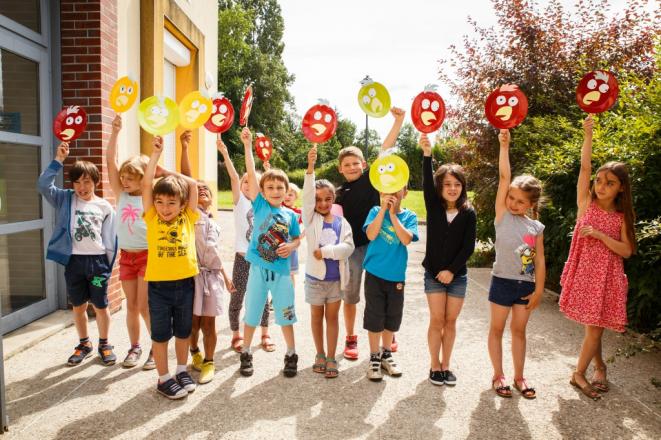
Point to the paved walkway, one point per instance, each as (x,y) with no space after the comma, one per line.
(46,399)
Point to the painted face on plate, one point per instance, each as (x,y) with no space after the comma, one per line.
(373,98)
(428,110)
(70,123)
(222,115)
(123,94)
(389,174)
(597,92)
(194,110)
(263,147)
(506,107)
(158,115)
(319,123)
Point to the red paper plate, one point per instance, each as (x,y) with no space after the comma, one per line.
(222,115)
(70,123)
(246,106)
(597,92)
(506,107)
(263,147)
(428,110)
(319,123)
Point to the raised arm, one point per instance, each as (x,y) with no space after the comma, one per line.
(46,181)
(391,138)
(235,180)
(185,139)
(148,179)
(429,191)
(111,157)
(253,185)
(583,185)
(309,192)
(504,173)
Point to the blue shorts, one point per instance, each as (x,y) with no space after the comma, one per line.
(87,280)
(456,288)
(262,281)
(171,308)
(506,292)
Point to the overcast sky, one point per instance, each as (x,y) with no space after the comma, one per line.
(331,45)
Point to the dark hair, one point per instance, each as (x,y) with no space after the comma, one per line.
(624,200)
(82,168)
(456,171)
(533,189)
(324,183)
(173,186)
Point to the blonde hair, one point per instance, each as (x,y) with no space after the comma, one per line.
(295,188)
(274,174)
(533,189)
(350,151)
(136,165)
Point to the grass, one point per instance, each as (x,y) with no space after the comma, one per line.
(413,201)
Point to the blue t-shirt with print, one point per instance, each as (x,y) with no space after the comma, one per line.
(330,235)
(272,226)
(386,256)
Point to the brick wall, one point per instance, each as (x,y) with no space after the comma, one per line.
(89,69)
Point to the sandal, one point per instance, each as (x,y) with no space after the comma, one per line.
(267,345)
(502,390)
(319,365)
(600,385)
(331,372)
(526,391)
(237,347)
(586,389)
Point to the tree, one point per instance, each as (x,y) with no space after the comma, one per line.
(373,144)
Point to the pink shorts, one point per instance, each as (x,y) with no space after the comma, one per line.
(132,264)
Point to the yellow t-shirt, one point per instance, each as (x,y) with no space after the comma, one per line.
(171,246)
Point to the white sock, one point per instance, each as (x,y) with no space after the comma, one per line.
(291,351)
(164,378)
(247,350)
(181,368)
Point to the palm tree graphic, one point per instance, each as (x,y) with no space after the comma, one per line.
(130,215)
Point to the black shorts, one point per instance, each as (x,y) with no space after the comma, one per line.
(171,308)
(87,280)
(384,304)
(506,292)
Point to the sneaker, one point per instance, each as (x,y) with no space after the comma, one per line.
(436,377)
(374,369)
(197,361)
(171,389)
(81,352)
(351,347)
(449,378)
(246,364)
(206,372)
(291,365)
(186,382)
(149,363)
(106,354)
(131,359)
(394,345)
(389,364)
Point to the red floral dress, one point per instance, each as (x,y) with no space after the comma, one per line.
(594,285)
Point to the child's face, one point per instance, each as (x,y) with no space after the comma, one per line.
(290,197)
(352,167)
(324,199)
(131,183)
(274,192)
(168,207)
(517,202)
(244,185)
(607,186)
(203,196)
(84,187)
(451,189)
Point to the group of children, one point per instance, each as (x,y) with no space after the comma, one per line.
(173,277)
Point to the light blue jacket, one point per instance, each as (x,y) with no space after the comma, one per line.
(60,246)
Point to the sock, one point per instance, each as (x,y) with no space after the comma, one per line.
(385,353)
(181,368)
(247,350)
(291,351)
(194,350)
(103,341)
(164,378)
(85,340)
(207,360)
(375,356)
(136,346)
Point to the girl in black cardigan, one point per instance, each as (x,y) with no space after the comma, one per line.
(451,224)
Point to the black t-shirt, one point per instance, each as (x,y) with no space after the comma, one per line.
(356,199)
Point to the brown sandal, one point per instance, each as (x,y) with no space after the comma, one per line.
(600,385)
(237,347)
(526,391)
(502,390)
(586,389)
(267,345)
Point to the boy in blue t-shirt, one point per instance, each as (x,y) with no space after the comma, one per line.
(390,229)
(275,236)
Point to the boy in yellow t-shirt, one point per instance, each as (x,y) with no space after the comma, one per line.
(170,212)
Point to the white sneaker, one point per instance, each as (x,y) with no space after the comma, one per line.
(391,367)
(374,371)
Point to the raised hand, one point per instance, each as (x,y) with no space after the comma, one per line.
(588,126)
(117,123)
(312,158)
(397,113)
(62,152)
(425,144)
(157,145)
(246,136)
(185,138)
(220,145)
(504,138)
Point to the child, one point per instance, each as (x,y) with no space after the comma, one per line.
(518,274)
(275,236)
(390,229)
(451,225)
(290,202)
(170,214)
(357,196)
(211,282)
(84,242)
(330,243)
(125,183)
(243,224)
(594,285)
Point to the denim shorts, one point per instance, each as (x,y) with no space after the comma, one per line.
(506,292)
(456,288)
(87,280)
(171,308)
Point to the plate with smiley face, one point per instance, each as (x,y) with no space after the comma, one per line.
(158,115)
(222,115)
(70,123)
(123,94)
(263,147)
(506,107)
(389,174)
(373,98)
(319,123)
(428,110)
(597,91)
(194,110)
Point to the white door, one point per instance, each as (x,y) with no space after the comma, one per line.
(169,90)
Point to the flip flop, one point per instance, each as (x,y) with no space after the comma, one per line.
(267,346)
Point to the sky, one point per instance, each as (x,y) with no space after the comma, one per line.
(331,45)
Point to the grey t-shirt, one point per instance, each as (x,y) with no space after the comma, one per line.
(516,236)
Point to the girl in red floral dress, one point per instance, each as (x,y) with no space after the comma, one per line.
(594,285)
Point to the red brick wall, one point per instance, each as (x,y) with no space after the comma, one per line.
(89,69)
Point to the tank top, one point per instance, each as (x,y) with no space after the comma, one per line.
(131,227)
